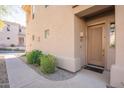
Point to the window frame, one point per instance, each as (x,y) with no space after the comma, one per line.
(8,27)
(8,38)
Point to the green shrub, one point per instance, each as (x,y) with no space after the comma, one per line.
(29,57)
(34,57)
(48,64)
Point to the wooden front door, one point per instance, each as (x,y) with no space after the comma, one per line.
(95,45)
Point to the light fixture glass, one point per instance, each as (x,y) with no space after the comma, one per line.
(112,35)
(81,34)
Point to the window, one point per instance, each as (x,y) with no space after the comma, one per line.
(33,16)
(46,33)
(33,37)
(8,27)
(112,35)
(46,6)
(20,30)
(8,38)
(33,11)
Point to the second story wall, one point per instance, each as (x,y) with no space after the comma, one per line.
(58,23)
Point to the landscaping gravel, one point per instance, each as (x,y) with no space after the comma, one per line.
(4,82)
(58,75)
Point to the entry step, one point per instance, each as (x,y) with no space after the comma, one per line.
(94,68)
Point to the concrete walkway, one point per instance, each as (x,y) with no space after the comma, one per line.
(20,75)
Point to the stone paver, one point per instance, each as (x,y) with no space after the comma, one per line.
(21,75)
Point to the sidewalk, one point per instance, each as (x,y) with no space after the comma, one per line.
(20,75)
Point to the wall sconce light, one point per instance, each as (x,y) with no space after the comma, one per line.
(81,34)
(46,6)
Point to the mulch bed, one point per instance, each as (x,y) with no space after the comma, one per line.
(4,82)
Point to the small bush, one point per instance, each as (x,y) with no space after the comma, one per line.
(34,57)
(29,58)
(47,64)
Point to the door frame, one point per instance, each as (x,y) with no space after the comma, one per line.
(105,39)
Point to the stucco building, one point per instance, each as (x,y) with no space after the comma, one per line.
(79,35)
(12,34)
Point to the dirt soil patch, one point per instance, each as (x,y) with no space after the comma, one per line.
(4,82)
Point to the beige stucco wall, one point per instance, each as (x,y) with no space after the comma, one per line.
(117,70)
(64,42)
(80,43)
(60,30)
(60,42)
(107,19)
(64,35)
(81,8)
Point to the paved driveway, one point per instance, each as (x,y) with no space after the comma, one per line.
(21,75)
